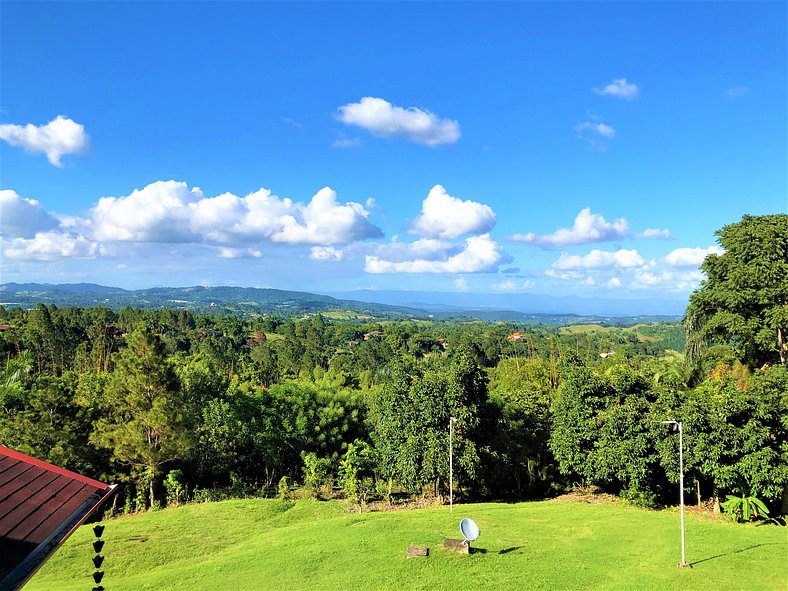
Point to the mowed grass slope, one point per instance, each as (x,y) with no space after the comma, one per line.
(267,544)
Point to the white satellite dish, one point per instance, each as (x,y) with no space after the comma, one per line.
(469,529)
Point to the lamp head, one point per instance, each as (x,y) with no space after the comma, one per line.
(674,424)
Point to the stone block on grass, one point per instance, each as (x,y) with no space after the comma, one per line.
(414,551)
(459,546)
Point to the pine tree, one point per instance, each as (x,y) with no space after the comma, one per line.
(146,429)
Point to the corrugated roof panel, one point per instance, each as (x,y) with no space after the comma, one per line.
(40,505)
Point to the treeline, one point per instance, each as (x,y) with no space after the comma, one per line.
(175,406)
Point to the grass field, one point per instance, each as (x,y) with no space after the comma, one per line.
(581,329)
(268,544)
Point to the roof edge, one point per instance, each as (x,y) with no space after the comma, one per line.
(51,467)
(17,578)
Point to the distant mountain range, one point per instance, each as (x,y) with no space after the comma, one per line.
(377,304)
(233,300)
(440,302)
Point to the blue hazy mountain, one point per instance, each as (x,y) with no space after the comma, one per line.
(249,300)
(446,302)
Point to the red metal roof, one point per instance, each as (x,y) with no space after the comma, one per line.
(40,505)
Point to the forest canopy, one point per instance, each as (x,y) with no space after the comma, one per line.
(177,406)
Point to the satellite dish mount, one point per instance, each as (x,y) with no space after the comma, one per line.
(470,531)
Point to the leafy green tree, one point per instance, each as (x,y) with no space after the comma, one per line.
(356,472)
(223,440)
(736,441)
(580,399)
(146,428)
(40,333)
(200,383)
(265,364)
(516,459)
(411,420)
(606,429)
(625,455)
(49,424)
(744,298)
(13,380)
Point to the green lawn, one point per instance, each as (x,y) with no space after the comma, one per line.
(266,544)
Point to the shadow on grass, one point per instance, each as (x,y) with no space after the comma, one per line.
(735,552)
(475,550)
(512,549)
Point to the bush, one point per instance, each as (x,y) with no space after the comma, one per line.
(744,508)
(639,498)
(175,487)
(283,490)
(316,475)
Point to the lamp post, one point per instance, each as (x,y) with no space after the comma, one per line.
(452,420)
(677,424)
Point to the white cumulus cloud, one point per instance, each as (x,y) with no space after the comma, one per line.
(602,129)
(662,233)
(645,279)
(588,228)
(324,221)
(599,259)
(424,248)
(159,212)
(326,253)
(445,216)
(594,132)
(170,212)
(23,217)
(58,137)
(690,257)
(480,254)
(619,88)
(386,120)
(226,252)
(48,246)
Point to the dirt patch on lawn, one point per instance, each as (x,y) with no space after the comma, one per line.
(402,505)
(588,495)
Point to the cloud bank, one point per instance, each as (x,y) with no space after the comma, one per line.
(690,257)
(588,228)
(170,212)
(626,269)
(479,254)
(22,217)
(599,259)
(48,246)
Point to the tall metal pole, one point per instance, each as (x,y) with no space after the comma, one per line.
(678,424)
(681,490)
(452,420)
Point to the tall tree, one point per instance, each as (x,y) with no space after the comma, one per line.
(744,299)
(410,417)
(146,428)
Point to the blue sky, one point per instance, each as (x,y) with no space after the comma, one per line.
(553,148)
